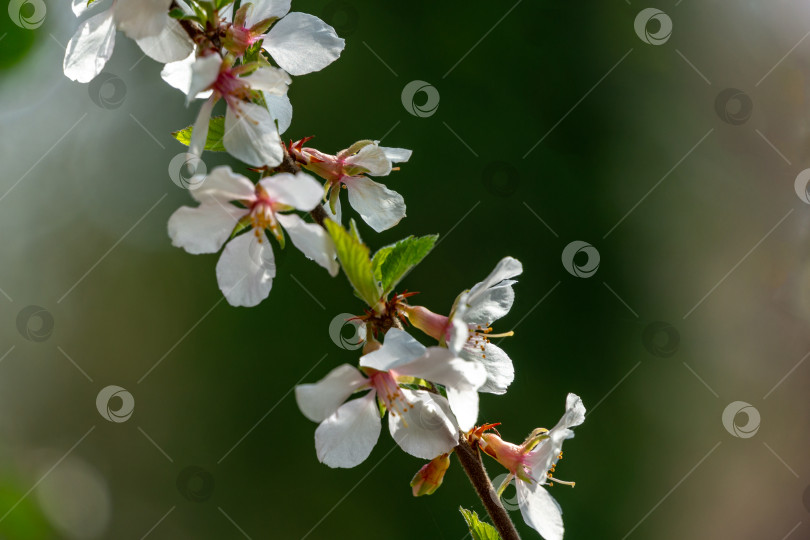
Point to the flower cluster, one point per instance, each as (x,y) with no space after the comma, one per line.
(243,56)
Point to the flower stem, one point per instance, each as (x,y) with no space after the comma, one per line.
(470,459)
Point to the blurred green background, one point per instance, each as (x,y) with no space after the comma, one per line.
(616,115)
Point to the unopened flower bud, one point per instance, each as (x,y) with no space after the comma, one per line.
(430,477)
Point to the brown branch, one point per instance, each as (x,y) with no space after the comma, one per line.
(470,459)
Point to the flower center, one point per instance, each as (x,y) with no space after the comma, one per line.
(231,88)
(388,390)
(479,337)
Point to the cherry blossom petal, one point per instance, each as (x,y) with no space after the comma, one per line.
(90,47)
(300,191)
(178,75)
(399,348)
(270,80)
(281,109)
(346,438)
(172,44)
(264,9)
(547,452)
(506,268)
(199,133)
(397,155)
(204,73)
(141,18)
(490,304)
(440,365)
(372,158)
(312,240)
(498,365)
(251,135)
(246,269)
(319,400)
(464,404)
(203,229)
(223,185)
(379,206)
(302,43)
(540,511)
(427,429)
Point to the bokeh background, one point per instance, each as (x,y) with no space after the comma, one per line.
(557,122)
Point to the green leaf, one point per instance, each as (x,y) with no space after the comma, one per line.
(213,141)
(353,255)
(478,529)
(393,262)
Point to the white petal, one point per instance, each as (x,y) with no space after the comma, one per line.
(178,75)
(141,18)
(264,9)
(574,412)
(172,44)
(427,429)
(246,269)
(372,158)
(337,215)
(90,47)
(540,511)
(312,240)
(204,73)
(302,43)
(440,365)
(222,184)
(379,206)
(397,155)
(300,191)
(270,80)
(346,438)
(498,365)
(319,400)
(490,304)
(506,268)
(464,404)
(399,348)
(547,452)
(203,229)
(199,133)
(281,109)
(251,135)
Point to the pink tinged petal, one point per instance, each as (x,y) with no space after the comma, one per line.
(464,404)
(379,206)
(281,109)
(399,348)
(320,400)
(540,511)
(397,155)
(506,268)
(312,240)
(199,133)
(90,47)
(251,135)
(223,185)
(498,366)
(172,44)
(346,438)
(204,73)
(264,9)
(178,75)
(302,43)
(490,304)
(372,158)
(246,269)
(203,229)
(270,80)
(427,429)
(141,18)
(300,191)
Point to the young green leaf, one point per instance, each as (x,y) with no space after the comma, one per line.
(393,262)
(354,259)
(213,141)
(478,529)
